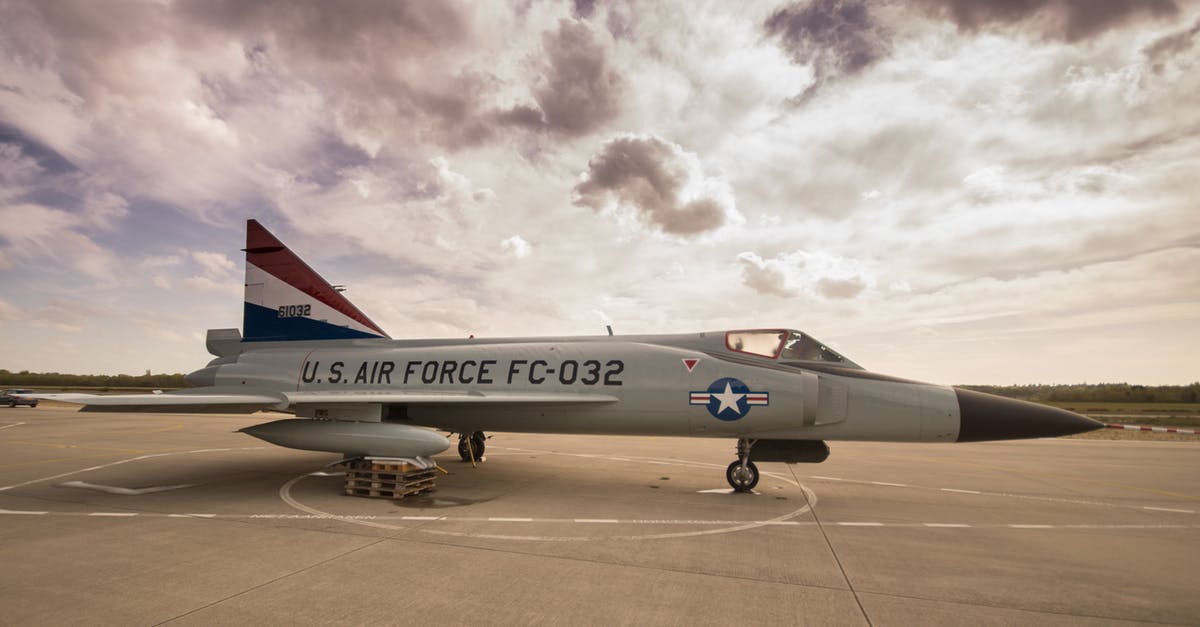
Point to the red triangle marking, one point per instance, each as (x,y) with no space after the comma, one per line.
(690,363)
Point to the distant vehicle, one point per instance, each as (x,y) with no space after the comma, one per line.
(12,398)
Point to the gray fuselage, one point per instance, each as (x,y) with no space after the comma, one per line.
(627,385)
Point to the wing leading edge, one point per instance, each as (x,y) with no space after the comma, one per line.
(171,402)
(243,403)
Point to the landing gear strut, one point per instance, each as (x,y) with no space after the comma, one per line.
(471,445)
(742,474)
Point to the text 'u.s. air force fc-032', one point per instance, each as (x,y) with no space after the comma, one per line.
(781,394)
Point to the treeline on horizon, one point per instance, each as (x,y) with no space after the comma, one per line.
(1080,392)
(1096,392)
(26,379)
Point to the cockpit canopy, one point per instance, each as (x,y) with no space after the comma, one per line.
(783,345)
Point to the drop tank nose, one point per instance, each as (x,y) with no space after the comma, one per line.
(381,439)
(989,417)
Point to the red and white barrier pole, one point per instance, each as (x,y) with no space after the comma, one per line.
(1153,429)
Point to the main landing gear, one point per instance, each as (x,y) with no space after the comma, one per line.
(471,445)
(742,474)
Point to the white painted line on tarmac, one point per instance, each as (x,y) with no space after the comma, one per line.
(1028,497)
(736,524)
(15,424)
(669,521)
(630,458)
(728,525)
(1129,526)
(1170,509)
(124,491)
(126,461)
(721,527)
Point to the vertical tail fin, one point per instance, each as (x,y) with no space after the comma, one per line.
(287,300)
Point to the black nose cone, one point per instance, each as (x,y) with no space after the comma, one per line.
(988,417)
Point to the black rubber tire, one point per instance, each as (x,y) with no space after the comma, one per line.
(464,453)
(741,483)
(33,404)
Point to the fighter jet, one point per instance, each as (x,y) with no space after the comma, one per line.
(781,394)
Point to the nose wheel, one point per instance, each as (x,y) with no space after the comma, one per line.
(742,474)
(471,445)
(743,478)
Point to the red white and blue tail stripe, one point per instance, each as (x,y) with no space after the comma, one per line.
(286,300)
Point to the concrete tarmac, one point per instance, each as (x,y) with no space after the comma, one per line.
(153,519)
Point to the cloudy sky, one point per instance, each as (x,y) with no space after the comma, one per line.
(959,191)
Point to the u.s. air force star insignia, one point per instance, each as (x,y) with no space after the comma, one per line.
(728,399)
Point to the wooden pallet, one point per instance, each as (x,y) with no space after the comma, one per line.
(389,493)
(377,465)
(390,479)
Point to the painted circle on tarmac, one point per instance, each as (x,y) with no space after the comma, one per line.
(717,527)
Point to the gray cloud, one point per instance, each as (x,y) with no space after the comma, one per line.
(583,9)
(396,61)
(361,31)
(1070,20)
(390,70)
(842,163)
(85,40)
(581,90)
(659,181)
(18,172)
(838,37)
(13,139)
(801,273)
(380,62)
(1172,45)
(207,96)
(840,288)
(390,74)
(393,72)
(34,174)
(765,276)
(578,90)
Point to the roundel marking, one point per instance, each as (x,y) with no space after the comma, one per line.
(728,399)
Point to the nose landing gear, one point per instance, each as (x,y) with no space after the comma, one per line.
(471,445)
(742,474)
